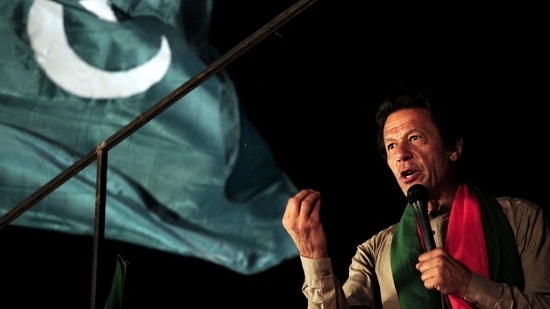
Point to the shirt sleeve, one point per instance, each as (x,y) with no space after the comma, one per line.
(321,288)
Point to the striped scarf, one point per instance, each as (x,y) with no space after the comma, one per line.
(488,248)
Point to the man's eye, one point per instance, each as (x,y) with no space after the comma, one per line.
(391,146)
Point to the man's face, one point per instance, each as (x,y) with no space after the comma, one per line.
(415,150)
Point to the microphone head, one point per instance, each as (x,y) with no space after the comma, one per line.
(417,193)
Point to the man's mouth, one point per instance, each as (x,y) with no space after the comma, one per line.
(409,176)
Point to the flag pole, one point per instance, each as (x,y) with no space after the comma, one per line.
(155,110)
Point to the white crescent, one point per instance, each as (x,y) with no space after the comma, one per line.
(65,68)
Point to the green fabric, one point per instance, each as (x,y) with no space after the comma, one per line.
(504,260)
(114,301)
(71,78)
(405,249)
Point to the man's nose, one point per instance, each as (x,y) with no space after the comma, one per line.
(403,152)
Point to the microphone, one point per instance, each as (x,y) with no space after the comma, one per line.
(418,196)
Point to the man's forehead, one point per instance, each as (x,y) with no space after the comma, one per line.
(407,119)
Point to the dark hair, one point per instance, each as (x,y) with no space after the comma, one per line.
(441,108)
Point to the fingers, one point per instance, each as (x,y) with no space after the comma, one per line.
(304,204)
(310,205)
(302,222)
(441,272)
(429,265)
(432,254)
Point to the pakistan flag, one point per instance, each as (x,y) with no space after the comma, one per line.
(198,180)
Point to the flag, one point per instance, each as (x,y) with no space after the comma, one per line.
(198,180)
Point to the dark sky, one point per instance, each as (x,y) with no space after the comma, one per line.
(312,87)
(311,90)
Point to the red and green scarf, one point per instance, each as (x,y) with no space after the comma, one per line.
(479,235)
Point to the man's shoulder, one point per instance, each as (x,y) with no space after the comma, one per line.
(378,244)
(520,209)
(384,234)
(517,203)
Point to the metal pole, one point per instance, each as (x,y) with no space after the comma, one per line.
(156,109)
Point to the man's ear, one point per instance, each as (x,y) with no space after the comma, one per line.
(457,151)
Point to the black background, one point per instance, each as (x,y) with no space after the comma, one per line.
(310,89)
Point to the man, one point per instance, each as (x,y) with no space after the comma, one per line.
(490,252)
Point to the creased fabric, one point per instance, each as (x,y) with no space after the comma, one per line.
(198,180)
